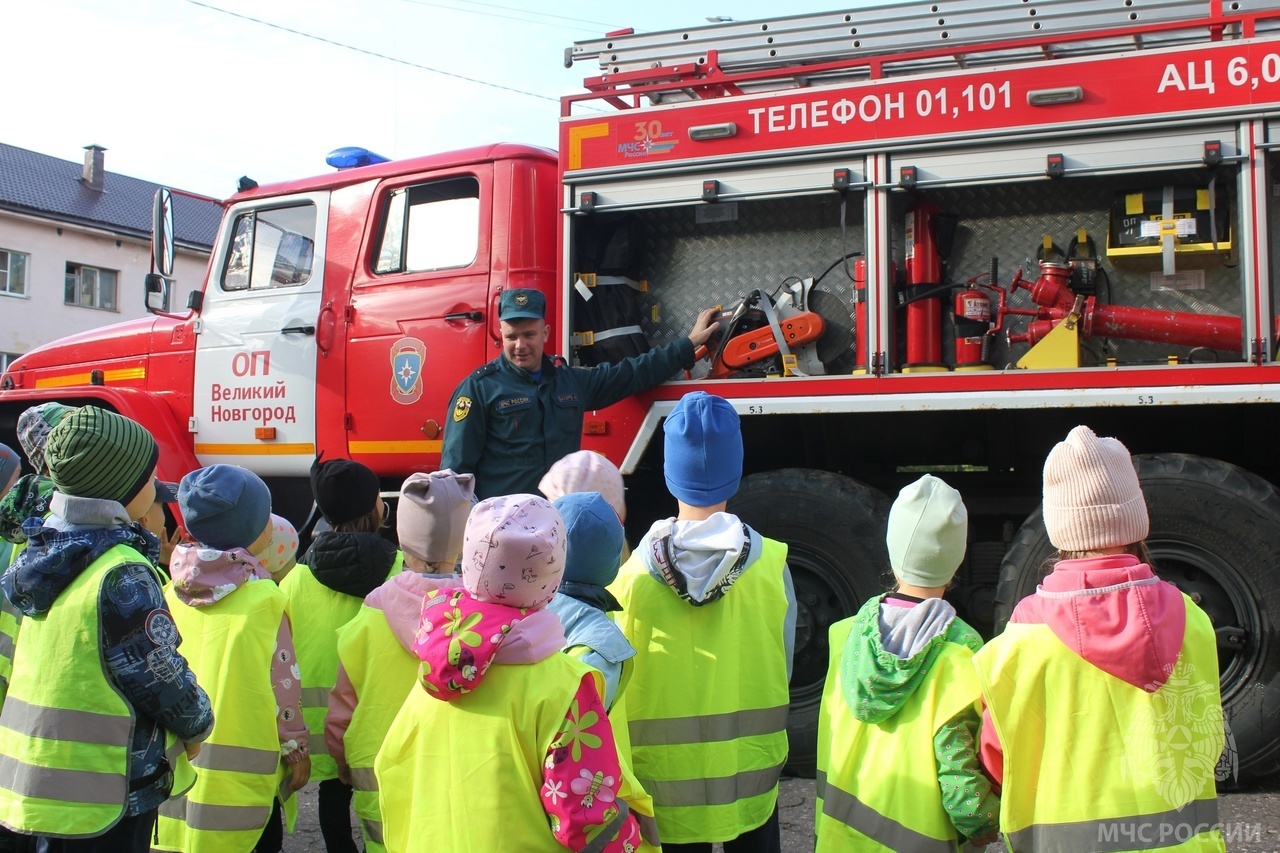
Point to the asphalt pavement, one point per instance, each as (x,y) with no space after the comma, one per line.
(1250,816)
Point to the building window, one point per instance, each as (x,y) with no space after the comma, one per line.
(13,273)
(6,359)
(90,287)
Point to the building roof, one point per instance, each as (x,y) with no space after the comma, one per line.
(40,185)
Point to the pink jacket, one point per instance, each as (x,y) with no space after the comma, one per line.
(1114,613)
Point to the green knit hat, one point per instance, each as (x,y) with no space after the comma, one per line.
(94,453)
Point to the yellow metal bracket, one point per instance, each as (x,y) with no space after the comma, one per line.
(1059,348)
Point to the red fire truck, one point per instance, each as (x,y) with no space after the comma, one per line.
(942,233)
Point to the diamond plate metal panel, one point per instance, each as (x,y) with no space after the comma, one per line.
(691,266)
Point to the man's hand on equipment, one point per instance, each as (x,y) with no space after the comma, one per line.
(703,327)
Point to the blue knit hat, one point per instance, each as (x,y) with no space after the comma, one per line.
(595,538)
(703,450)
(224,506)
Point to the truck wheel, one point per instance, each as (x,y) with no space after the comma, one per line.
(1215,534)
(834,528)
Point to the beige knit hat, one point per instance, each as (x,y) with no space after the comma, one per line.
(1092,499)
(927,533)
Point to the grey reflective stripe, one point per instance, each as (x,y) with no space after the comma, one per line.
(610,830)
(175,808)
(618,332)
(716,791)
(315,697)
(372,830)
(65,724)
(175,749)
(6,645)
(363,779)
(1151,831)
(710,728)
(648,828)
(75,786)
(207,816)
(241,759)
(840,805)
(318,745)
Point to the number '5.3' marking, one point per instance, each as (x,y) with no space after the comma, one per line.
(1146,399)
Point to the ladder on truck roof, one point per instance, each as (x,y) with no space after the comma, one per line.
(916,37)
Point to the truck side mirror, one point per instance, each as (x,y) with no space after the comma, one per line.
(156,288)
(162,234)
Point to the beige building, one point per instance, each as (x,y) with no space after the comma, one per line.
(74,247)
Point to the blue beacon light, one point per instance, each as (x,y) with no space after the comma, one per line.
(353,156)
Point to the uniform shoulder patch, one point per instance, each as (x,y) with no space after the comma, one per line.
(559,361)
(461,408)
(484,370)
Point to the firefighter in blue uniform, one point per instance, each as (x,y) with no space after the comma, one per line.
(514,417)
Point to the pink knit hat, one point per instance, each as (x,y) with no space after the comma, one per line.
(514,551)
(1092,499)
(585,471)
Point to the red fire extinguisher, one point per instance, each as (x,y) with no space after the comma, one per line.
(860,315)
(972,306)
(923,267)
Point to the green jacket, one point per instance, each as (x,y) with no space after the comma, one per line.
(507,428)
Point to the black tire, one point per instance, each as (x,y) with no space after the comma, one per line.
(835,529)
(1215,534)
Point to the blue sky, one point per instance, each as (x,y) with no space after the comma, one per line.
(185,93)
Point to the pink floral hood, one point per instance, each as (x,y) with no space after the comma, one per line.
(460,637)
(202,576)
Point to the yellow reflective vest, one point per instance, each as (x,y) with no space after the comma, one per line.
(899,806)
(467,774)
(316,613)
(230,645)
(382,672)
(1092,762)
(64,740)
(708,697)
(10,622)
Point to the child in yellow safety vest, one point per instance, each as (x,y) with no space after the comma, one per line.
(708,605)
(901,696)
(343,565)
(503,744)
(376,664)
(1104,716)
(100,701)
(240,644)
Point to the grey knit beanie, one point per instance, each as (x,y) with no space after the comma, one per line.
(1092,499)
(432,514)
